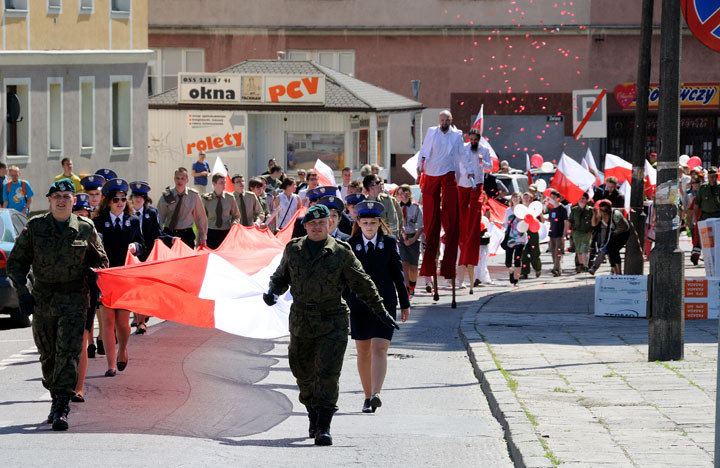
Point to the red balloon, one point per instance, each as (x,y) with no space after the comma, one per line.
(536,160)
(496,164)
(548,192)
(534,226)
(694,162)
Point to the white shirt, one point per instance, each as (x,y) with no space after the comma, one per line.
(113,218)
(479,170)
(288,207)
(343,191)
(372,241)
(442,152)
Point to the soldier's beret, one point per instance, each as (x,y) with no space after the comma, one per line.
(107,173)
(316,212)
(114,185)
(318,192)
(92,182)
(82,202)
(354,198)
(139,187)
(332,202)
(369,209)
(62,185)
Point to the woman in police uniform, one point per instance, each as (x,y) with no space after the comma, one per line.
(378,253)
(120,233)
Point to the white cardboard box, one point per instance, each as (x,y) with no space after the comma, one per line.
(620,295)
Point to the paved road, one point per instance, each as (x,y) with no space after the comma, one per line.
(195,397)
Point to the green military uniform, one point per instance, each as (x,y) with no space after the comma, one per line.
(319,315)
(60,255)
(707,201)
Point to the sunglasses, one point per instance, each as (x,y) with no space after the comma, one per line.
(119,199)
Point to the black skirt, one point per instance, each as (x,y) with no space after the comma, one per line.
(365,325)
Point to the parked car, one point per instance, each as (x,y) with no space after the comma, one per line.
(11,225)
(515,182)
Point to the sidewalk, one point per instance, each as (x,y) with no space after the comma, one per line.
(577,390)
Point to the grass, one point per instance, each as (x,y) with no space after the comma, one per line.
(561,390)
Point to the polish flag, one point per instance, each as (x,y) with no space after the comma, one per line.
(219,288)
(625,190)
(618,167)
(588,163)
(325,174)
(528,167)
(478,125)
(571,179)
(493,156)
(219,168)
(650,179)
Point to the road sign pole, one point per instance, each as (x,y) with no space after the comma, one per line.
(667,325)
(634,257)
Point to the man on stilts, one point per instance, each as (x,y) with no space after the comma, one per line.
(439,160)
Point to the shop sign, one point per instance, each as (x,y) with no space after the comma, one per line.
(289,89)
(215,131)
(692,95)
(231,88)
(208,88)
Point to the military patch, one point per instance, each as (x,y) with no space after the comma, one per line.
(381,245)
(358,247)
(107,224)
(127,223)
(332,199)
(147,215)
(371,205)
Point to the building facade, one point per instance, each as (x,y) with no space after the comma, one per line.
(520,59)
(73,83)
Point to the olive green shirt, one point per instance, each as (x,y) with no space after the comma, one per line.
(392,214)
(230,211)
(55,255)
(581,219)
(707,201)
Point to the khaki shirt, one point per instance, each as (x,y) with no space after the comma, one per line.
(392,215)
(191,211)
(707,201)
(230,212)
(253,209)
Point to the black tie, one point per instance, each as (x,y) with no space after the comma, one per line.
(118,227)
(370,248)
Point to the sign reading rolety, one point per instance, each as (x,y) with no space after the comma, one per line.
(215,131)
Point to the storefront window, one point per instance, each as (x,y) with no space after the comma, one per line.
(305,148)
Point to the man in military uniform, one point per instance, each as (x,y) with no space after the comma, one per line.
(392,213)
(312,196)
(221,210)
(180,208)
(707,205)
(61,248)
(318,268)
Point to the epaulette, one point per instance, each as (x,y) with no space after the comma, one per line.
(189,189)
(343,244)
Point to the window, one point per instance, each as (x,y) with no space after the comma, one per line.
(55,116)
(168,62)
(87,7)
(16,7)
(308,147)
(17,95)
(54,7)
(121,6)
(87,114)
(339,60)
(121,99)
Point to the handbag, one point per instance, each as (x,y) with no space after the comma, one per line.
(506,238)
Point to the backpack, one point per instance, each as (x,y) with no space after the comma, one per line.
(23,188)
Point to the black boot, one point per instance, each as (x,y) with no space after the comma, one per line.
(60,422)
(53,407)
(312,416)
(322,436)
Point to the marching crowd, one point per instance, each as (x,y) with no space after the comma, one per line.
(384,228)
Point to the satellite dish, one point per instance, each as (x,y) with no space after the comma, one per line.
(13,108)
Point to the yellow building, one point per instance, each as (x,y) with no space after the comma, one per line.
(73,82)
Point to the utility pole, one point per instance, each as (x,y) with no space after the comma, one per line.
(634,258)
(667,324)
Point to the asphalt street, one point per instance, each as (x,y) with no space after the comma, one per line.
(199,397)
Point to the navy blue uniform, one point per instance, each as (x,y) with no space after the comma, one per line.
(116,242)
(384,267)
(346,223)
(339,235)
(150,227)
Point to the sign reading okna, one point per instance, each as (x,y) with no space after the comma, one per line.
(208,88)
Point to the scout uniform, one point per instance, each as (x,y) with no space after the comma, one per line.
(249,207)
(317,273)
(222,212)
(60,255)
(178,213)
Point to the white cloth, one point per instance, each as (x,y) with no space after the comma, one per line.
(288,207)
(442,152)
(479,170)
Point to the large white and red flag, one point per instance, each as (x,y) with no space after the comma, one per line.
(617,167)
(325,174)
(571,179)
(588,163)
(219,168)
(625,190)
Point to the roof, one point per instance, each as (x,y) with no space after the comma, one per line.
(343,93)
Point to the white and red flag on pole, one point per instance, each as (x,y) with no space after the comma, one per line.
(219,168)
(571,179)
(650,179)
(528,167)
(478,125)
(325,174)
(588,163)
(625,190)
(617,167)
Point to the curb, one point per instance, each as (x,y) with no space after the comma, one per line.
(522,440)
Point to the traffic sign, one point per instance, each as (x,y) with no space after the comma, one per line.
(703,19)
(589,113)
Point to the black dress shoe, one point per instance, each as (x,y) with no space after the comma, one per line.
(375,402)
(100,347)
(78,398)
(110,373)
(366,406)
(91,350)
(121,365)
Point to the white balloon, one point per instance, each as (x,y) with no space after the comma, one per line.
(535,209)
(541,185)
(547,166)
(684,158)
(520,211)
(522,226)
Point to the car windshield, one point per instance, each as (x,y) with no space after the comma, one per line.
(7,234)
(522,185)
